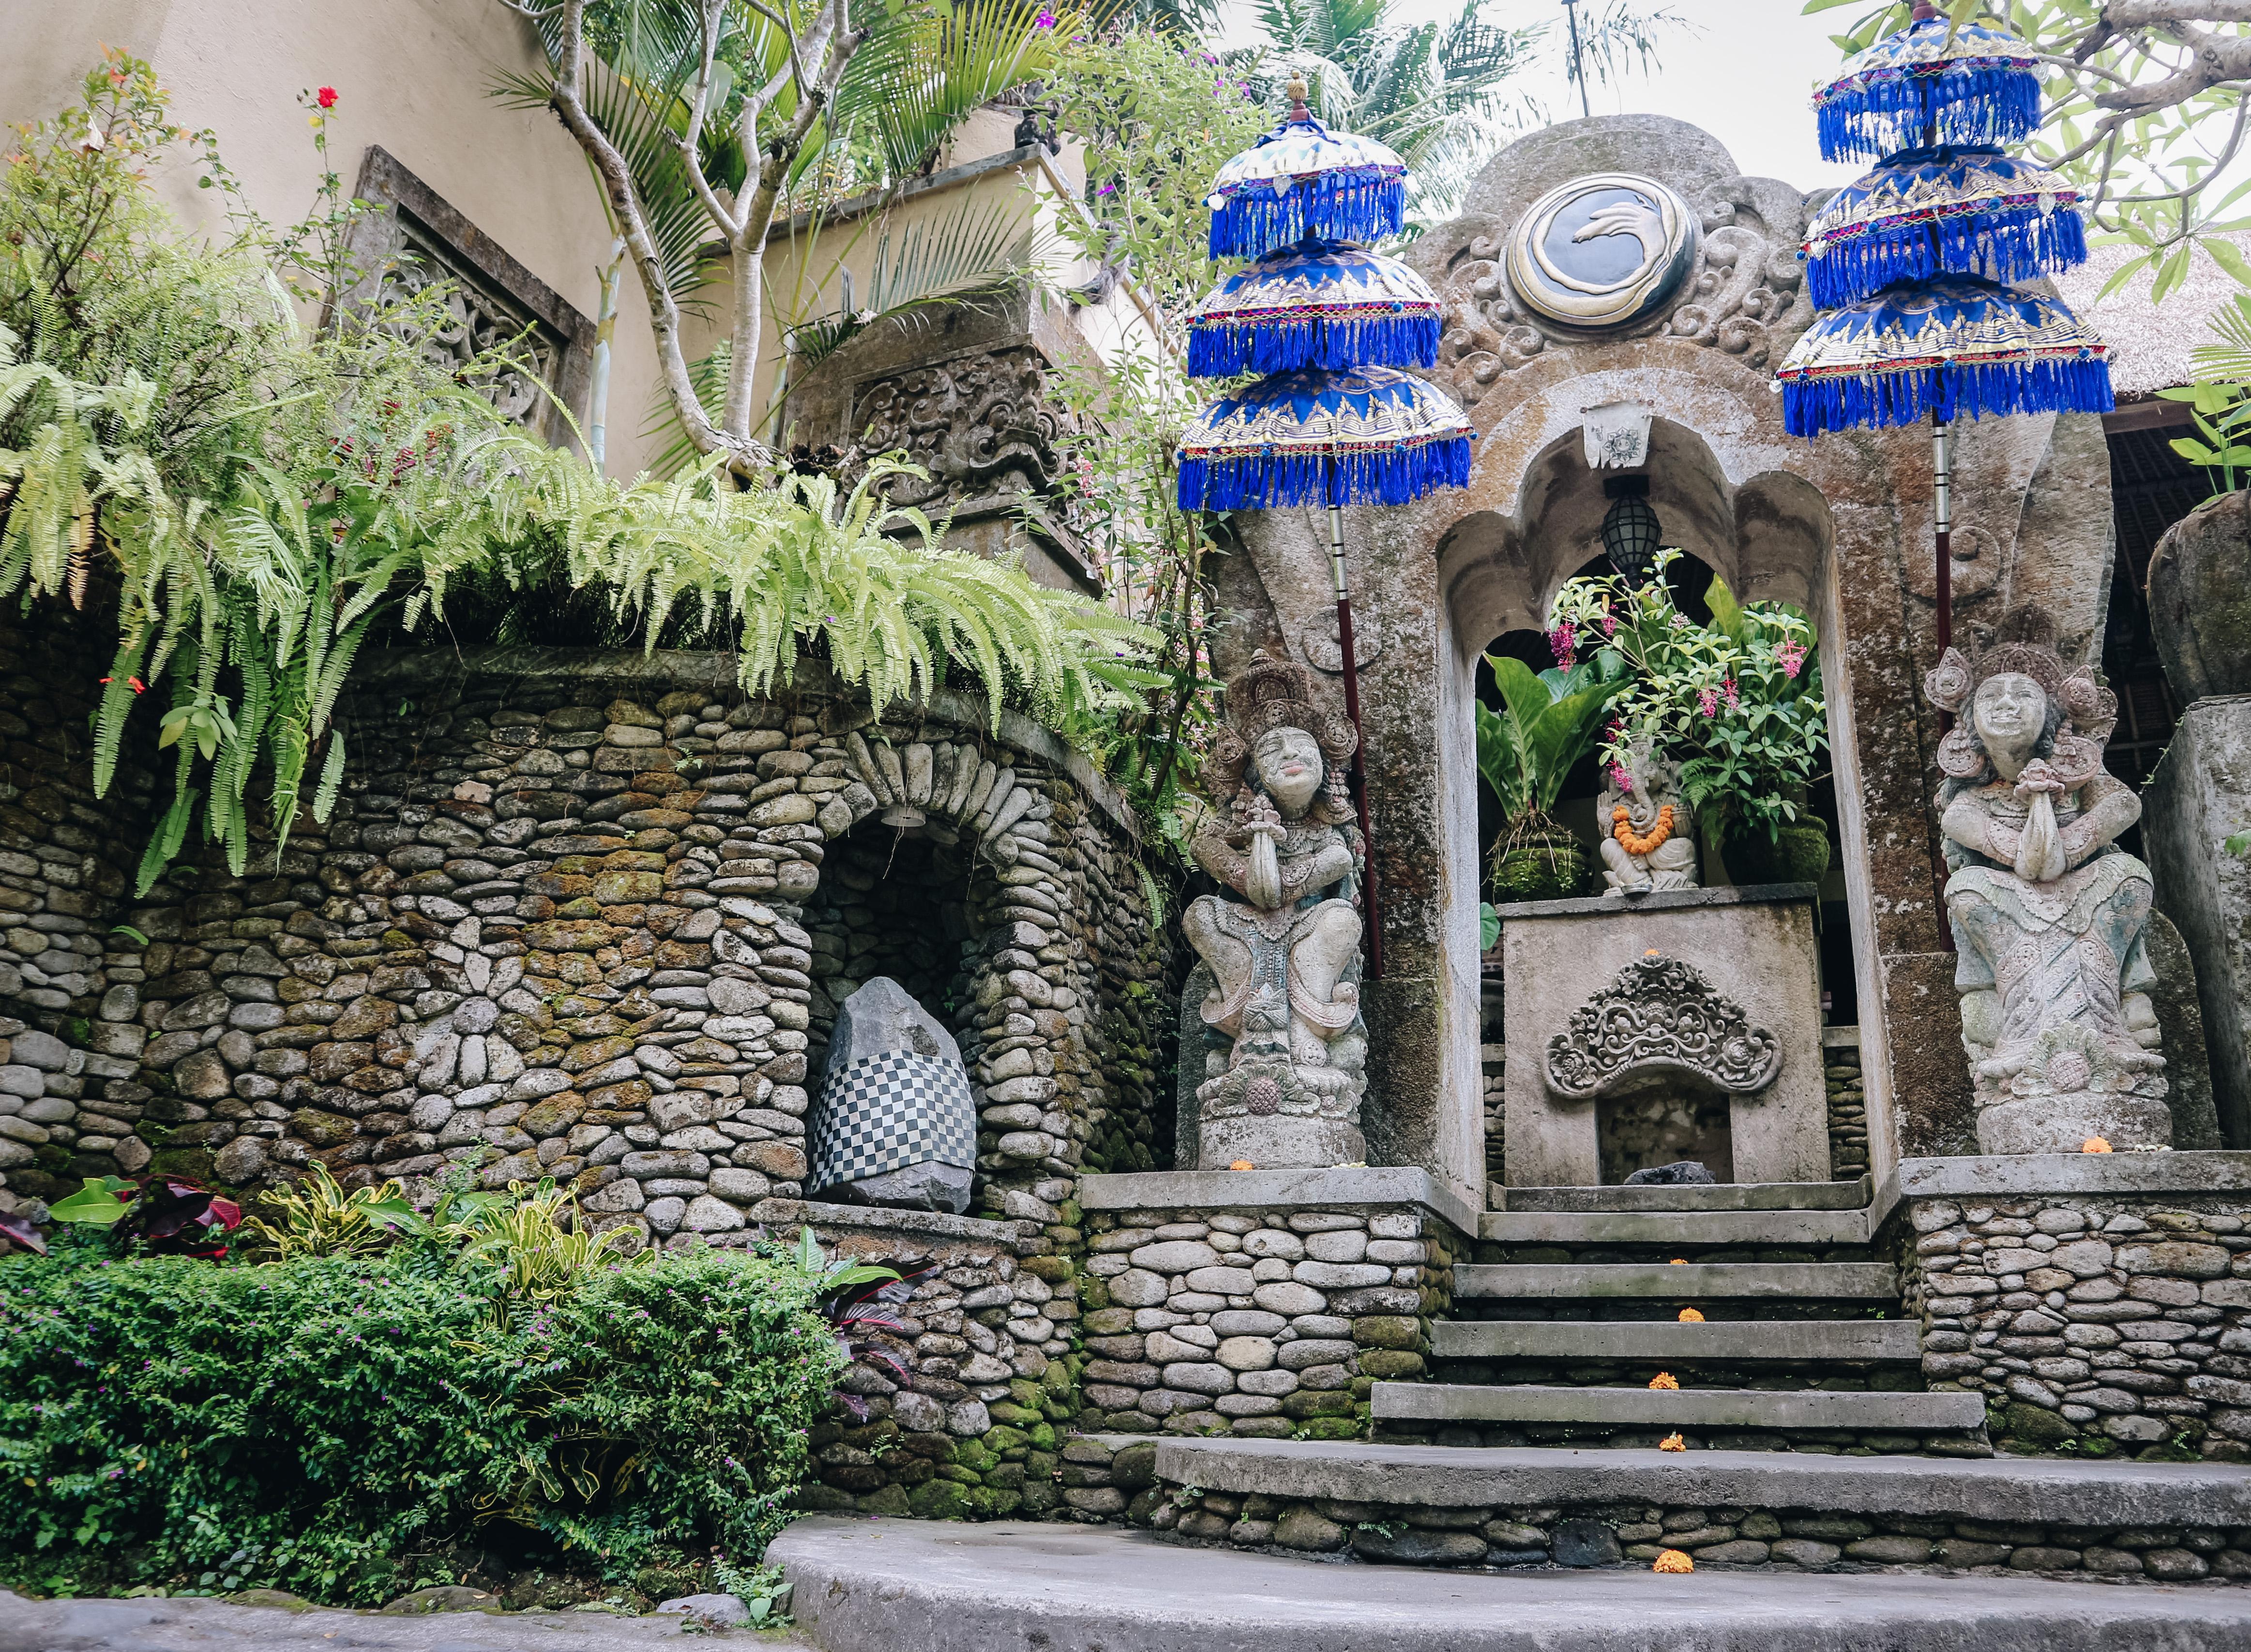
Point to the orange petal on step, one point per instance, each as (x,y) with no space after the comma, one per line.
(1672,1442)
(2094,1144)
(1690,1317)
(1673,1560)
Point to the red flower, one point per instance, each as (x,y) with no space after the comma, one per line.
(133,683)
(326,97)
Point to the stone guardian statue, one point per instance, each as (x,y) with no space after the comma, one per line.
(2048,912)
(1284,949)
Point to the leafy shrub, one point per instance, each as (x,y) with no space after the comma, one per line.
(307,1424)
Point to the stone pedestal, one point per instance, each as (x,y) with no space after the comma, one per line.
(2199,796)
(1742,1024)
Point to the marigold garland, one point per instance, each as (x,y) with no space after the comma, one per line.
(1622,829)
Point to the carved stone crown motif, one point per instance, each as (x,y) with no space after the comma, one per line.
(1660,1015)
(2024,643)
(1271,693)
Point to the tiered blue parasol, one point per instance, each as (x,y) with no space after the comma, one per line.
(1942,212)
(1334,423)
(1917,254)
(1319,304)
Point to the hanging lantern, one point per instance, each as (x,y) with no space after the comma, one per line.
(1631,535)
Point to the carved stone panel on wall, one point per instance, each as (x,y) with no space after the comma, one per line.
(419,239)
(1661,1015)
(981,424)
(1744,297)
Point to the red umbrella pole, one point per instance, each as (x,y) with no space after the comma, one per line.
(1356,777)
(1942,467)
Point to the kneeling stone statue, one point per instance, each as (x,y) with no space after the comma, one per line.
(895,1124)
(1285,956)
(2048,912)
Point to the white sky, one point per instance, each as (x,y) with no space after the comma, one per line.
(1744,74)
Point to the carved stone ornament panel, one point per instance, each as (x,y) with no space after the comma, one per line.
(1601,251)
(1743,292)
(981,424)
(477,318)
(1660,1015)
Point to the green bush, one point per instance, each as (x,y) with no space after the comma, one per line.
(308,1423)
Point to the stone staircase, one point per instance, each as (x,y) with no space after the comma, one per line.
(1800,1346)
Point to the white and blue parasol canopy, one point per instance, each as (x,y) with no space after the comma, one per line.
(1942,211)
(1928,83)
(1319,304)
(1950,348)
(1302,182)
(1374,436)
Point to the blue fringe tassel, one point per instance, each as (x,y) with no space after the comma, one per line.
(1222,351)
(1341,206)
(1263,481)
(2012,244)
(1814,406)
(1973,106)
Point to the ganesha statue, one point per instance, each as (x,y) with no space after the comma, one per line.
(1649,838)
(1283,944)
(2048,912)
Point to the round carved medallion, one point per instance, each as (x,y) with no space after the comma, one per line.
(1601,251)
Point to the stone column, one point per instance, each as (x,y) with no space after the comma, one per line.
(2199,794)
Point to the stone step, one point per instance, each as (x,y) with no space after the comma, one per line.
(1680,1230)
(1657,1341)
(1726,1196)
(881,1586)
(2016,1490)
(1439,1404)
(1679,1281)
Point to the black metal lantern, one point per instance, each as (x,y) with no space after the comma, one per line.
(1631,533)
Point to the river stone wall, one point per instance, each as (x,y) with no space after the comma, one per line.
(1256,1322)
(556,925)
(2095,1326)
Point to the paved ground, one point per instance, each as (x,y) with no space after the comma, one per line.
(214,1626)
(911,1585)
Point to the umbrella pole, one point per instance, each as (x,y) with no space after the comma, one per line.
(1941,467)
(1356,777)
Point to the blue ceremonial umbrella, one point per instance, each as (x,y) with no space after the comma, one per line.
(1954,347)
(1931,83)
(1302,180)
(1939,212)
(1319,304)
(1917,250)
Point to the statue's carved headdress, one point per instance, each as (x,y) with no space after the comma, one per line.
(1267,694)
(2024,643)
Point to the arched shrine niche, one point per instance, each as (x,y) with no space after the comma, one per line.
(1769,536)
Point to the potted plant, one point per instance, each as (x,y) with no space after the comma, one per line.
(1525,754)
(1737,703)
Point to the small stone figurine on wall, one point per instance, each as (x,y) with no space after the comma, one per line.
(2048,912)
(1649,837)
(1285,956)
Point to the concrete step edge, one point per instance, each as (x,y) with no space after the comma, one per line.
(1682,1282)
(1871,1409)
(1649,1341)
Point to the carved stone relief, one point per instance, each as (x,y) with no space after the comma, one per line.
(981,424)
(1745,296)
(479,317)
(1658,1016)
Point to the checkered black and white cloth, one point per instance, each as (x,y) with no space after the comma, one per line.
(887,1112)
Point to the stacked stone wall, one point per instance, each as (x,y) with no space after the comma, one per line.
(2092,1325)
(1256,1322)
(556,925)
(1727,1539)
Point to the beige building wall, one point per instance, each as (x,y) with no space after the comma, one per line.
(414,77)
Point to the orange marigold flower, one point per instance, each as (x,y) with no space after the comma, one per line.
(1673,1560)
(1665,1379)
(1672,1442)
(1690,1317)
(2094,1144)
(1243,1164)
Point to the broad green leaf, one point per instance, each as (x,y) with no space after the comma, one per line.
(92,1204)
(1489,920)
